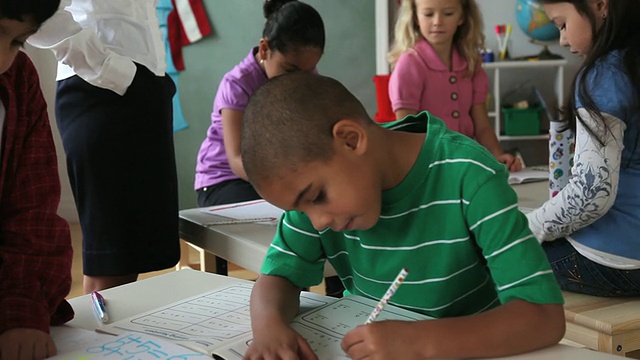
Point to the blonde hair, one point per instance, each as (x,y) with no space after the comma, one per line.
(468,39)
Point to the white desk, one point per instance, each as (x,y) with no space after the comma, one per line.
(246,244)
(145,295)
(243,244)
(532,195)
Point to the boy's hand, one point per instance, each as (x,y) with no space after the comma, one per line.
(512,162)
(281,343)
(383,340)
(26,344)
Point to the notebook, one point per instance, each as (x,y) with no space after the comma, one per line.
(529,175)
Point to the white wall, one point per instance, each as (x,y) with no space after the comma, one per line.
(46,65)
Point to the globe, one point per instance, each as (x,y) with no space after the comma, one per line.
(534,21)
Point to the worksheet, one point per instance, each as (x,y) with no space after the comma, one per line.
(205,321)
(324,327)
(128,346)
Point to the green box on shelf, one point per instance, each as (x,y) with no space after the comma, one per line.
(522,121)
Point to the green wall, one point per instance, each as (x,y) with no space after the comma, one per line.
(237,26)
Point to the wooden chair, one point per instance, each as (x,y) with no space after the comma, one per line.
(206,260)
(610,325)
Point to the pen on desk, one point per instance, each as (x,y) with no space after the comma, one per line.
(387,296)
(99,306)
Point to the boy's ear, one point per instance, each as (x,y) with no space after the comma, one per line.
(350,135)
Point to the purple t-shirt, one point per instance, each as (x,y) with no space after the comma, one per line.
(421,81)
(233,93)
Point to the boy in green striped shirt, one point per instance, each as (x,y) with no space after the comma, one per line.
(375,199)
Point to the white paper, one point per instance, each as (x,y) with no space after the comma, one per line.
(324,327)
(256,211)
(69,338)
(205,321)
(130,346)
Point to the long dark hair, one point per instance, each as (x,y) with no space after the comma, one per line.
(620,31)
(292,23)
(37,10)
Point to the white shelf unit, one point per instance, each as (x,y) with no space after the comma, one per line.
(529,66)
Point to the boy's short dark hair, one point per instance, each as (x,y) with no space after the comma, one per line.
(38,10)
(289,121)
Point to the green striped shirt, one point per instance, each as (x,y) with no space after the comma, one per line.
(453,222)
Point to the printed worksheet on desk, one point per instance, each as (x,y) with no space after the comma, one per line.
(128,346)
(254,211)
(206,321)
(324,327)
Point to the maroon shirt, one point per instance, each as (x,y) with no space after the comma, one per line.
(35,243)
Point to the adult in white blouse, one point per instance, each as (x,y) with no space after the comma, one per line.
(114,112)
(591,227)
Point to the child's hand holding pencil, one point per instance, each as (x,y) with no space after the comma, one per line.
(387,296)
(356,342)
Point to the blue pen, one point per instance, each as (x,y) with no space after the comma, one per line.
(99,306)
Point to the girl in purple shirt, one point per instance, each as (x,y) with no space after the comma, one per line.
(292,40)
(437,67)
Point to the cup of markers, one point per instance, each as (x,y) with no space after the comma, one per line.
(503,32)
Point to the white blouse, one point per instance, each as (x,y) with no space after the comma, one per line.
(99,40)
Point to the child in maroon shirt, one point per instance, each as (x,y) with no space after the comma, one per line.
(35,244)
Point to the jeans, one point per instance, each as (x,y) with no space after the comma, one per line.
(578,274)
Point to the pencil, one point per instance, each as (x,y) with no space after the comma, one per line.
(387,296)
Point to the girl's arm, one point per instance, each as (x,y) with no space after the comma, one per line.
(275,301)
(515,327)
(593,187)
(231,128)
(486,136)
(401,113)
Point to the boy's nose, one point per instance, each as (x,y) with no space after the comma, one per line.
(320,221)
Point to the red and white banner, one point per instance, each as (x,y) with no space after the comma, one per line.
(187,23)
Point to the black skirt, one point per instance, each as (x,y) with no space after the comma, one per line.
(121,165)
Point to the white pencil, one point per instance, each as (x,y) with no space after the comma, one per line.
(387,296)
